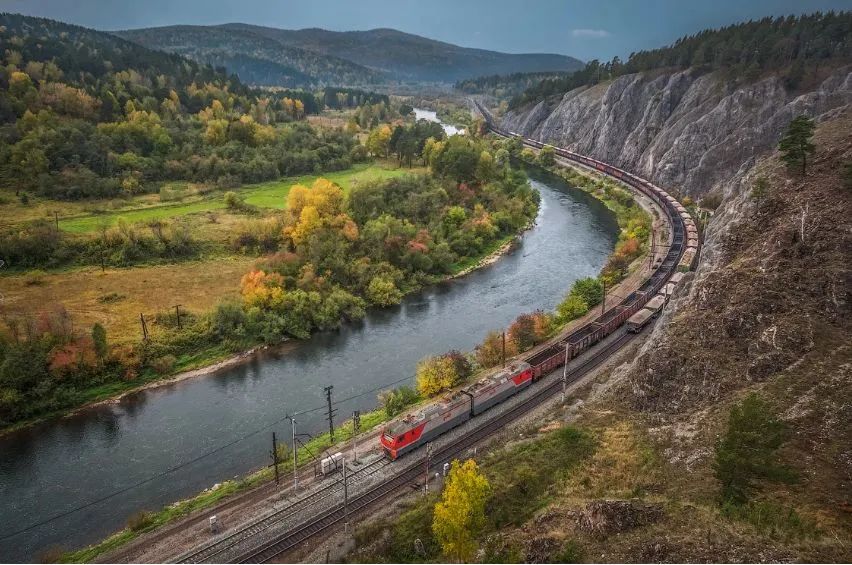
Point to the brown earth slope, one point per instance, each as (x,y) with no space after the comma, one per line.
(767,311)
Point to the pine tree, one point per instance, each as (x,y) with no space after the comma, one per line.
(748,451)
(796,144)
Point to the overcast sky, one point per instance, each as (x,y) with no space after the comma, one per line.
(585,29)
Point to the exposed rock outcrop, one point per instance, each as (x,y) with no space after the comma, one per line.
(687,131)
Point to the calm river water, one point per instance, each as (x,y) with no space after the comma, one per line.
(61,465)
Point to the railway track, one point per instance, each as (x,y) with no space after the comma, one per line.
(253,528)
(545,389)
(334,515)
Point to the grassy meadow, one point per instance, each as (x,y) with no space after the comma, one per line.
(114,297)
(182,199)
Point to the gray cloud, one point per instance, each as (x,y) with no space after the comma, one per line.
(590,33)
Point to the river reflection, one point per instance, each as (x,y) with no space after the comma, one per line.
(59,465)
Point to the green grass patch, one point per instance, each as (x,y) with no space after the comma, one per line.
(522,476)
(271,195)
(95,222)
(773,519)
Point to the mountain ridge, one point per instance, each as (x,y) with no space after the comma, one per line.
(380,55)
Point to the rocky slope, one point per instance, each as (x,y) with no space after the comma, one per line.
(767,310)
(688,131)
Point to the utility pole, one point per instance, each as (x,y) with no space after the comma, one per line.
(565,373)
(356,427)
(144,327)
(504,349)
(653,248)
(56,219)
(331,411)
(275,457)
(426,475)
(295,468)
(603,302)
(177,314)
(345,499)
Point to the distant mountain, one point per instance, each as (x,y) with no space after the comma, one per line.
(332,57)
(256,59)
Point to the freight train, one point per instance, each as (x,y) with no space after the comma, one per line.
(406,434)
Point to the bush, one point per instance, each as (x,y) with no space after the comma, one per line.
(748,450)
(436,375)
(34,278)
(163,365)
(140,520)
(571,552)
(395,401)
(383,291)
(528,330)
(489,353)
(571,308)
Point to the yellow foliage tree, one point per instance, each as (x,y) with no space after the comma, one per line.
(309,209)
(378,141)
(435,375)
(262,289)
(216,132)
(460,516)
(309,221)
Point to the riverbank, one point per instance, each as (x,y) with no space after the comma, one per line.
(214,359)
(209,499)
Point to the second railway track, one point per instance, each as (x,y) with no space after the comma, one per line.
(334,515)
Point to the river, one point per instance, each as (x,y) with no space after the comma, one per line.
(63,464)
(432,116)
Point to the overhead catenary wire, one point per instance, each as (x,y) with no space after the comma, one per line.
(189,462)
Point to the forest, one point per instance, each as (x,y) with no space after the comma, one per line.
(92,123)
(333,254)
(796,47)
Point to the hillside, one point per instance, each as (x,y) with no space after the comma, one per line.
(685,129)
(339,57)
(624,472)
(795,49)
(256,59)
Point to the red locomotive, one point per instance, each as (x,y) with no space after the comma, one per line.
(406,434)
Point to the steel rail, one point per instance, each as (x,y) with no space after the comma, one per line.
(334,515)
(253,528)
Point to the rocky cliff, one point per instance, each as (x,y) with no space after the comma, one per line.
(767,309)
(689,132)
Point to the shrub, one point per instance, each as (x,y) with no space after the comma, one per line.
(489,353)
(163,365)
(529,330)
(383,291)
(571,308)
(748,450)
(395,401)
(461,363)
(34,278)
(435,375)
(140,520)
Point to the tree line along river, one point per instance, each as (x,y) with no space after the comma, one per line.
(66,463)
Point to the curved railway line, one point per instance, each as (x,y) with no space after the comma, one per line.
(606,330)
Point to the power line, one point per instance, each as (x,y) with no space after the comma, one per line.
(180,466)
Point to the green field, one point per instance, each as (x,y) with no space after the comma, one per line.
(272,195)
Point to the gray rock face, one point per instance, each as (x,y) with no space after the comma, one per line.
(690,133)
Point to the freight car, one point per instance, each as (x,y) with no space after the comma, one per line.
(414,430)
(404,435)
